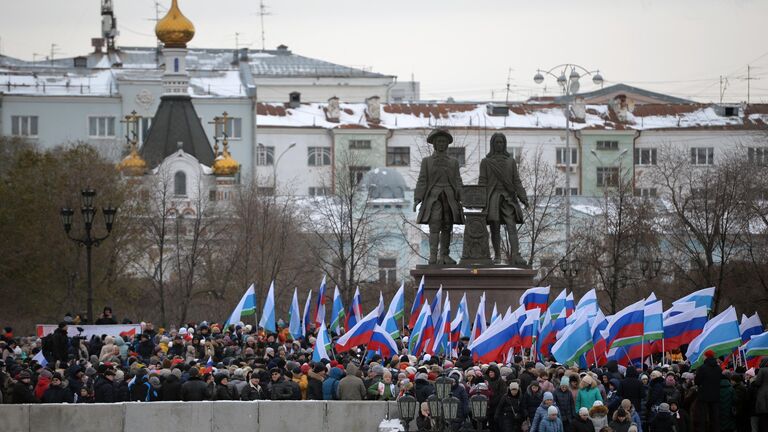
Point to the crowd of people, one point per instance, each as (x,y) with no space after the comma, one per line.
(202,361)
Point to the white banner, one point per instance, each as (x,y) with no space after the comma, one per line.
(90,330)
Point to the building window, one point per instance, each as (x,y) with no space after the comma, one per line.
(607,145)
(562,156)
(758,155)
(175,64)
(645,156)
(356,173)
(101,127)
(265,155)
(319,191)
(607,176)
(180,183)
(25,126)
(560,191)
(398,156)
(388,270)
(359,144)
(234,128)
(144,124)
(318,156)
(645,192)
(702,155)
(458,153)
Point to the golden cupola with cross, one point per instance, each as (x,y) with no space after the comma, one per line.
(224,164)
(174,30)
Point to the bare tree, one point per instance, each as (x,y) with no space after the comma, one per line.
(705,214)
(611,244)
(543,217)
(344,227)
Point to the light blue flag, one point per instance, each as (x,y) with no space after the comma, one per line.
(337,312)
(575,340)
(396,307)
(322,346)
(295,316)
(466,321)
(245,307)
(267,321)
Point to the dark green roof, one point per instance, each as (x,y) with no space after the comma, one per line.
(176,121)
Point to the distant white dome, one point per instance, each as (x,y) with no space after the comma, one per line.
(384,183)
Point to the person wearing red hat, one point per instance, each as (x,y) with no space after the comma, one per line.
(708,381)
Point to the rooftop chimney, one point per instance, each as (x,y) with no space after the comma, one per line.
(374,108)
(294,99)
(333,111)
(97,44)
(283,50)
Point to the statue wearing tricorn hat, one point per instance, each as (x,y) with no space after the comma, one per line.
(439,191)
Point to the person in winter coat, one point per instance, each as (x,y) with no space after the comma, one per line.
(727,421)
(621,421)
(760,386)
(671,388)
(583,423)
(351,387)
(107,350)
(315,382)
(104,387)
(509,412)
(544,383)
(708,391)
(552,422)
(656,394)
(599,415)
(741,410)
(331,384)
(121,387)
(422,388)
(253,391)
(663,421)
(56,392)
(588,393)
(301,381)
(60,344)
(425,421)
(278,387)
(634,417)
(527,376)
(140,390)
(459,392)
(383,390)
(195,389)
(223,391)
(541,411)
(237,383)
(680,417)
(565,402)
(43,382)
(532,398)
(498,387)
(612,398)
(632,388)
(172,386)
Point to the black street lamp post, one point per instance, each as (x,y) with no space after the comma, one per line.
(88,240)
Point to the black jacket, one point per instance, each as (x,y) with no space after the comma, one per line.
(663,422)
(121,392)
(656,393)
(632,388)
(171,389)
(422,389)
(526,378)
(196,389)
(250,393)
(22,394)
(566,404)
(58,394)
(60,345)
(509,414)
(708,381)
(224,393)
(104,390)
(281,389)
(580,425)
(314,387)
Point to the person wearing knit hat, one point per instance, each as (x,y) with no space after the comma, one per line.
(551,422)
(598,413)
(542,411)
(564,400)
(582,422)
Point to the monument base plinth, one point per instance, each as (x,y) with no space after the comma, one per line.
(501,284)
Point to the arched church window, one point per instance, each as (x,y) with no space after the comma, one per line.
(180,183)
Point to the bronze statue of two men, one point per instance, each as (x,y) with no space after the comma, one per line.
(439,191)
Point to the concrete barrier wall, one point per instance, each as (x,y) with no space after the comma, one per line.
(261,416)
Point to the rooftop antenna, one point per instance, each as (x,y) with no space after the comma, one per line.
(54,51)
(262,13)
(509,80)
(108,24)
(723,87)
(749,78)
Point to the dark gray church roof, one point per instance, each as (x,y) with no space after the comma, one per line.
(176,125)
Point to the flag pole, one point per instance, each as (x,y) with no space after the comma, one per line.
(642,350)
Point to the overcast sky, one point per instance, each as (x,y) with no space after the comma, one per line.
(462,49)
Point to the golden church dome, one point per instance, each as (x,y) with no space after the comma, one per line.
(225,165)
(174,30)
(133,165)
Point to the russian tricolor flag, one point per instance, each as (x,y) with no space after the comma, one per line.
(417,302)
(382,342)
(423,332)
(529,328)
(536,297)
(597,355)
(479,322)
(626,327)
(570,305)
(360,334)
(320,306)
(494,343)
(750,326)
(680,329)
(355,311)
